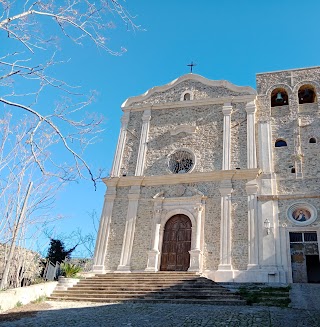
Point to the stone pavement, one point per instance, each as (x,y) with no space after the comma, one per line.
(81,314)
(305,296)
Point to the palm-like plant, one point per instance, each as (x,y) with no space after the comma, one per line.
(69,270)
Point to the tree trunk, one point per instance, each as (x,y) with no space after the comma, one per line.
(5,275)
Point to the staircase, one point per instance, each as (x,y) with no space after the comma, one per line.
(161,287)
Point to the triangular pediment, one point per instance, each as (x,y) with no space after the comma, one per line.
(199,87)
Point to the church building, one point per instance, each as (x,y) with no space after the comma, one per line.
(218,179)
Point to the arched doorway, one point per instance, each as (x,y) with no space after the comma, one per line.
(176,244)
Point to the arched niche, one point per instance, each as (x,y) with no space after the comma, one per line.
(279,97)
(279,143)
(307,94)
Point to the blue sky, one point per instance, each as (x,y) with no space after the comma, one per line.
(230,40)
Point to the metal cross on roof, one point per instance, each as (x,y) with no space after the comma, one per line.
(191,66)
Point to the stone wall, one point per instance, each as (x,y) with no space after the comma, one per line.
(130,153)
(211,241)
(294,123)
(117,227)
(142,236)
(239,136)
(206,143)
(200,91)
(239,228)
(285,204)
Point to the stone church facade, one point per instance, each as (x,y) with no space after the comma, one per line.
(217,179)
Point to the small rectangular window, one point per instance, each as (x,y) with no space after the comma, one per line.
(310,237)
(295,237)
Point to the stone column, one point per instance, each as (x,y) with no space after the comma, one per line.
(253,231)
(143,142)
(104,229)
(225,270)
(115,172)
(196,253)
(226,159)
(134,195)
(251,135)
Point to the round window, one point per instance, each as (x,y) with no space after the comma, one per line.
(181,161)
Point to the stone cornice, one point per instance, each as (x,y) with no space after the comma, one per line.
(171,179)
(274,197)
(193,77)
(193,103)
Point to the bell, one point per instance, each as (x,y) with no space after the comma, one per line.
(279,98)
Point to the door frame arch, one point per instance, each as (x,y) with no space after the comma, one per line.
(164,208)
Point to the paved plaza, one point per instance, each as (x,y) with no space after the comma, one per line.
(80,314)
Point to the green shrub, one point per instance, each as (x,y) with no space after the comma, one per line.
(19,304)
(69,270)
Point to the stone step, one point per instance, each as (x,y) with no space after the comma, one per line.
(167,281)
(160,288)
(183,285)
(144,277)
(147,292)
(159,273)
(140,300)
(163,295)
(150,288)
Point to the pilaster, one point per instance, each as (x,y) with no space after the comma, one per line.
(196,253)
(133,196)
(104,229)
(226,160)
(153,254)
(251,135)
(115,172)
(143,142)
(265,146)
(225,270)
(253,232)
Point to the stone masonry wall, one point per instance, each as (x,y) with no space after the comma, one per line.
(200,91)
(142,236)
(239,227)
(117,227)
(291,121)
(239,136)
(285,204)
(211,242)
(130,153)
(206,143)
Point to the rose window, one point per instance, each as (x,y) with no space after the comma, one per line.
(181,162)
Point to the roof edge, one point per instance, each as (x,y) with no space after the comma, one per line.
(183,78)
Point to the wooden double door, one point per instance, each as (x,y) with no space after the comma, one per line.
(176,244)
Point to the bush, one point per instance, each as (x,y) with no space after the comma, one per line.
(69,270)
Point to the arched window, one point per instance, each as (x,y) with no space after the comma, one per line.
(312,140)
(187,97)
(307,94)
(280,143)
(279,97)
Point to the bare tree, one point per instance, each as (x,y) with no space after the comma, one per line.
(32,30)
(26,196)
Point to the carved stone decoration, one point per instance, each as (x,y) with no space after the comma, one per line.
(302,214)
(305,121)
(184,129)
